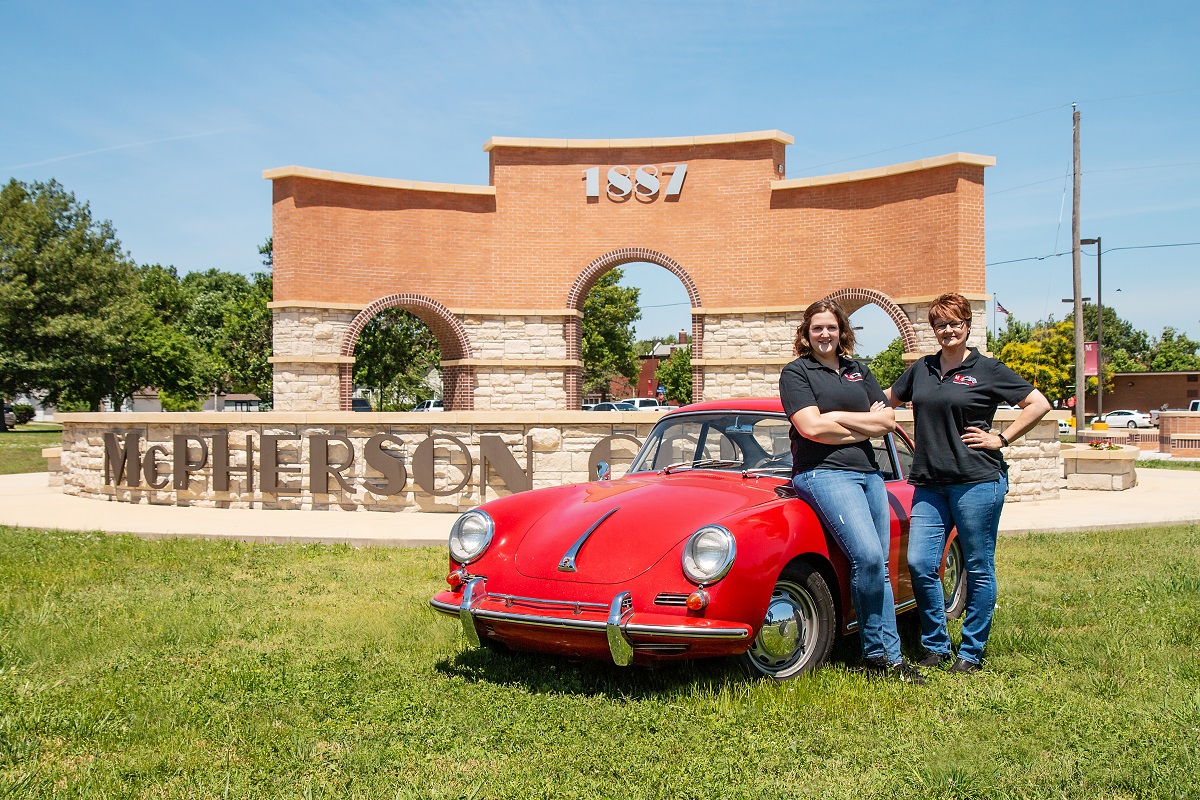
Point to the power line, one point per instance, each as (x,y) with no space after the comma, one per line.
(1097,172)
(1000,122)
(1106,250)
(935,138)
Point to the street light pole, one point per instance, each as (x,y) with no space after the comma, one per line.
(1099,327)
(1077,281)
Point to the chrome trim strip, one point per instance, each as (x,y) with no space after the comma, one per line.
(444,608)
(542,622)
(619,646)
(851,627)
(473,592)
(577,606)
(685,632)
(568,560)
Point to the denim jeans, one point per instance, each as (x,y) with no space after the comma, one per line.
(854,508)
(973,508)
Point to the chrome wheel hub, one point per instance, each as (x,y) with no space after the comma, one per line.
(788,631)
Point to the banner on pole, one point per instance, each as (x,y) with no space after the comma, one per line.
(1091,351)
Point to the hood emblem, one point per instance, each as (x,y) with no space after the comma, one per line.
(568,560)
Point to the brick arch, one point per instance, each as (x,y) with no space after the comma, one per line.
(584,283)
(852,300)
(458,380)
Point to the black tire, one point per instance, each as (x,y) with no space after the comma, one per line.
(799,629)
(954,584)
(1132,424)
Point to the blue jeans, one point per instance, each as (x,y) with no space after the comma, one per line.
(973,508)
(854,508)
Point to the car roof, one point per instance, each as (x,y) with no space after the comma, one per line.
(735,404)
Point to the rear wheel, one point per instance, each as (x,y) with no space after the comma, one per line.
(954,585)
(798,630)
(1132,424)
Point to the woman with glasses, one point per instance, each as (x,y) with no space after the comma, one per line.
(836,406)
(960,475)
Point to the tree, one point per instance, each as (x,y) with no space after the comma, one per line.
(393,356)
(1119,334)
(889,364)
(75,327)
(675,375)
(608,345)
(1046,360)
(1014,331)
(1174,352)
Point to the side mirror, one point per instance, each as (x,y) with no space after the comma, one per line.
(603,471)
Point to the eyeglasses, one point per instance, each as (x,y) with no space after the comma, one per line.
(957,325)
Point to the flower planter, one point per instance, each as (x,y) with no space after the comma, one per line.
(1107,470)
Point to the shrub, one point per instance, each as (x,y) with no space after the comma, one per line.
(23,412)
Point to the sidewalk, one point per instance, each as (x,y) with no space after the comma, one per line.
(1162,497)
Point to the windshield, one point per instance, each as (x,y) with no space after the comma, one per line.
(722,440)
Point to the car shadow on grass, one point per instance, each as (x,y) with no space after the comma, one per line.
(541,673)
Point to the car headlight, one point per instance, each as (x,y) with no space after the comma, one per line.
(708,554)
(470,536)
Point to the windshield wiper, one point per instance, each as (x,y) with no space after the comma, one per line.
(766,471)
(704,462)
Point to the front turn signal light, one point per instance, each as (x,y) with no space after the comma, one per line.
(456,580)
(697,600)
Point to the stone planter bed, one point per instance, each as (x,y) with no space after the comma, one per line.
(1113,470)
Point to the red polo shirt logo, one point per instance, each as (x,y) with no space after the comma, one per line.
(854,376)
(966,380)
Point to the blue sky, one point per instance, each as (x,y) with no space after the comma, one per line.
(163,115)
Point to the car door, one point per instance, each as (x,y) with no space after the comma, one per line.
(894,457)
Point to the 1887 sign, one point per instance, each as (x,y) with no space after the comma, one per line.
(644,182)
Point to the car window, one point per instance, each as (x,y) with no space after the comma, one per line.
(883,456)
(736,440)
(905,454)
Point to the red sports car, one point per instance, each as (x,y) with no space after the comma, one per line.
(701,549)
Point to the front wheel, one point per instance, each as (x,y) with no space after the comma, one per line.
(954,585)
(798,630)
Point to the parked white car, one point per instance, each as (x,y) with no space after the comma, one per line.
(646,404)
(1128,419)
(1063,428)
(429,405)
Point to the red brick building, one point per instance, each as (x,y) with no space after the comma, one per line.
(500,272)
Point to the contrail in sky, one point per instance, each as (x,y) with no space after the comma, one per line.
(120,147)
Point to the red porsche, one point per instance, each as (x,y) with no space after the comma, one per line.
(702,549)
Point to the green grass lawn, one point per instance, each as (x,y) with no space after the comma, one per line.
(21,448)
(1163,463)
(191,669)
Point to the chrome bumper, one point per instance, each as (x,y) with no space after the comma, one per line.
(619,625)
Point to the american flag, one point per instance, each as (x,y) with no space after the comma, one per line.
(1001,309)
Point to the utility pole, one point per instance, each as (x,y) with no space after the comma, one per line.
(1099,326)
(1077,282)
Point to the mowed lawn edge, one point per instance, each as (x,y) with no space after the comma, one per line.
(21,448)
(185,668)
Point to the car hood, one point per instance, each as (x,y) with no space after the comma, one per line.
(641,519)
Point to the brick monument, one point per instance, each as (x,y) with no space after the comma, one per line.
(500,272)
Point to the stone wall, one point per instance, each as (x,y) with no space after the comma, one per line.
(917,310)
(306,356)
(559,447)
(537,449)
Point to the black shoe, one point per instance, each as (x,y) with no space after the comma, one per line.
(964,666)
(907,673)
(936,660)
(901,671)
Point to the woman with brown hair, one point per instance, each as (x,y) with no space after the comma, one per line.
(835,406)
(959,474)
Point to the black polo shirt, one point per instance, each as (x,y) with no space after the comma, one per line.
(807,382)
(944,406)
